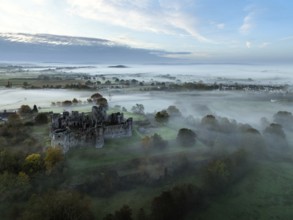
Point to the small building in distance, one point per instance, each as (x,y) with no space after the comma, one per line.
(79,129)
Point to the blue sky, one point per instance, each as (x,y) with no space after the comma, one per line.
(209,30)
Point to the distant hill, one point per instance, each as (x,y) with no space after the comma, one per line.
(56,48)
(118,66)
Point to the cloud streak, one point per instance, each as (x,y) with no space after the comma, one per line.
(146,16)
(249,20)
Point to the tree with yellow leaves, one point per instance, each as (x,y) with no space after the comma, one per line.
(33,164)
(53,157)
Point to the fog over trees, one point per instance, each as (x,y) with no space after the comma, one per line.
(195,148)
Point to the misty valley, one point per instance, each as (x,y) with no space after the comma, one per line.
(204,144)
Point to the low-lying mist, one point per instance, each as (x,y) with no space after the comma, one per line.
(244,107)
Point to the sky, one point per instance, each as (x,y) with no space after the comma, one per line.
(196,30)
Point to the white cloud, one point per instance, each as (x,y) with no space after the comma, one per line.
(183,22)
(168,18)
(29,17)
(188,56)
(54,39)
(129,41)
(247,24)
(248,44)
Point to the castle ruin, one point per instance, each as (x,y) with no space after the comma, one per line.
(79,129)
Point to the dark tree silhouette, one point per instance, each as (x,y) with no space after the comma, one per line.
(41,118)
(186,137)
(125,213)
(162,116)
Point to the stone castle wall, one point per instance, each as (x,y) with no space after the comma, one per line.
(118,131)
(78,129)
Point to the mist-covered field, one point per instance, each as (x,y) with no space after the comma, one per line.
(228,104)
(258,74)
(237,164)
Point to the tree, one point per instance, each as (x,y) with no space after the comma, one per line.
(108,82)
(146,142)
(35,109)
(102,102)
(186,137)
(53,157)
(210,122)
(173,111)
(109,217)
(13,187)
(65,205)
(67,103)
(41,118)
(96,96)
(275,138)
(153,142)
(141,215)
(217,174)
(284,118)
(125,213)
(134,81)
(25,109)
(138,109)
(25,84)
(9,162)
(14,120)
(75,101)
(158,142)
(33,164)
(174,204)
(162,116)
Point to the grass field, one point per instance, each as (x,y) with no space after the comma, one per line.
(266,193)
